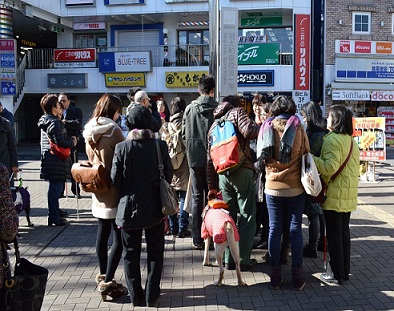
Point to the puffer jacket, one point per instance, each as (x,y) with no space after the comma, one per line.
(181,174)
(53,168)
(135,172)
(8,150)
(197,120)
(284,180)
(342,191)
(246,130)
(101,136)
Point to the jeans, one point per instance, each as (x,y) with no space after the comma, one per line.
(181,225)
(54,191)
(239,192)
(200,191)
(338,238)
(278,209)
(132,240)
(108,266)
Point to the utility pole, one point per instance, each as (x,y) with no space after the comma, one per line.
(214,42)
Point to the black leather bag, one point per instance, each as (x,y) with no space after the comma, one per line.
(24,290)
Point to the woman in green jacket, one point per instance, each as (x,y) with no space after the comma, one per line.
(342,192)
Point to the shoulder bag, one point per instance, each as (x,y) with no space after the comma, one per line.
(168,196)
(310,176)
(321,197)
(25,289)
(91,176)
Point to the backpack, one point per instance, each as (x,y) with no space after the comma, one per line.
(176,148)
(225,150)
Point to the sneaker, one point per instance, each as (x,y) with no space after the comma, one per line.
(328,278)
(184,234)
(198,246)
(262,245)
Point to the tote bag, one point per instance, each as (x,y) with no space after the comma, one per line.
(310,176)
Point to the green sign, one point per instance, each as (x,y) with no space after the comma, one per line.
(258,54)
(261,21)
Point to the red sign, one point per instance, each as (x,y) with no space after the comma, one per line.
(7,45)
(362,47)
(302,52)
(344,46)
(75,55)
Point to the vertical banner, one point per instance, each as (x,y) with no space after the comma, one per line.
(8,63)
(228,70)
(302,50)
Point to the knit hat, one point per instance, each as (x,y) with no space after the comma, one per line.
(139,117)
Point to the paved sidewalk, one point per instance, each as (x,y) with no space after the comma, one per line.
(69,254)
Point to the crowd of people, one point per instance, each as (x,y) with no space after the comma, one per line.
(264,194)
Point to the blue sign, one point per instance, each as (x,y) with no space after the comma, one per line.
(7,60)
(256,78)
(106,62)
(8,88)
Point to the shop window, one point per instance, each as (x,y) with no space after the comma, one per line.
(361,23)
(90,40)
(193,47)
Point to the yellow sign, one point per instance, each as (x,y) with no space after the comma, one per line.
(367,140)
(184,79)
(125,79)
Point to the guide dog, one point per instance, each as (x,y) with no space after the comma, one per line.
(218,224)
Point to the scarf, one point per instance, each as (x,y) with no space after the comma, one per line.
(266,143)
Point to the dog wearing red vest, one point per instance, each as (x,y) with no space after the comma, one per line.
(219,225)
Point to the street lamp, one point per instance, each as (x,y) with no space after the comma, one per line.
(165,36)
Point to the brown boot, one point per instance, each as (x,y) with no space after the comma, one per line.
(111,289)
(297,278)
(276,276)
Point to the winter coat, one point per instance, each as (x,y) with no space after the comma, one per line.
(284,180)
(101,136)
(135,172)
(171,128)
(342,191)
(9,220)
(316,138)
(8,153)
(197,120)
(53,168)
(246,130)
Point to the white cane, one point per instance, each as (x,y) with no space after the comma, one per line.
(76,184)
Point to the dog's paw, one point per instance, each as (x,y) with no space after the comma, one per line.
(218,283)
(242,283)
(206,264)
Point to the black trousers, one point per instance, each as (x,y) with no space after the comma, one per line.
(132,240)
(338,238)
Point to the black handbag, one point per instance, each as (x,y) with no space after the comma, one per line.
(24,290)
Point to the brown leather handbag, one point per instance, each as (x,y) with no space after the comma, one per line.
(93,177)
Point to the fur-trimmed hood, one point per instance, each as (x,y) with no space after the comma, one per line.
(98,127)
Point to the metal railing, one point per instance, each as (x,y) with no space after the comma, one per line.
(162,55)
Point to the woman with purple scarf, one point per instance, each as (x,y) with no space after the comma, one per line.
(280,145)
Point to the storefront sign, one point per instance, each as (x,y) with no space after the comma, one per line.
(89,26)
(258,54)
(350,95)
(8,88)
(125,62)
(7,45)
(67,80)
(252,39)
(184,79)
(74,55)
(261,21)
(370,137)
(363,47)
(256,78)
(301,52)
(8,66)
(300,98)
(124,79)
(382,96)
(7,60)
(364,69)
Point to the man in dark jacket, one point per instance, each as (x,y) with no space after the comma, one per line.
(197,120)
(72,120)
(237,187)
(7,114)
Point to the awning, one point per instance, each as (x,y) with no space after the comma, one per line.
(362,86)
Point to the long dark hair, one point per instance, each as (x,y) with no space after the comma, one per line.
(313,115)
(107,106)
(178,104)
(341,119)
(283,105)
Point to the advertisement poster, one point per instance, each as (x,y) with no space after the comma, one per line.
(370,136)
(388,114)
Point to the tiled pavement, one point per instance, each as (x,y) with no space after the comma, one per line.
(69,254)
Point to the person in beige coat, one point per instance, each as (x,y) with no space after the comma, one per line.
(101,134)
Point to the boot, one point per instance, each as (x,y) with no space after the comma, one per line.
(111,289)
(276,276)
(99,278)
(298,278)
(284,254)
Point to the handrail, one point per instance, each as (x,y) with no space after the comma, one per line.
(177,55)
